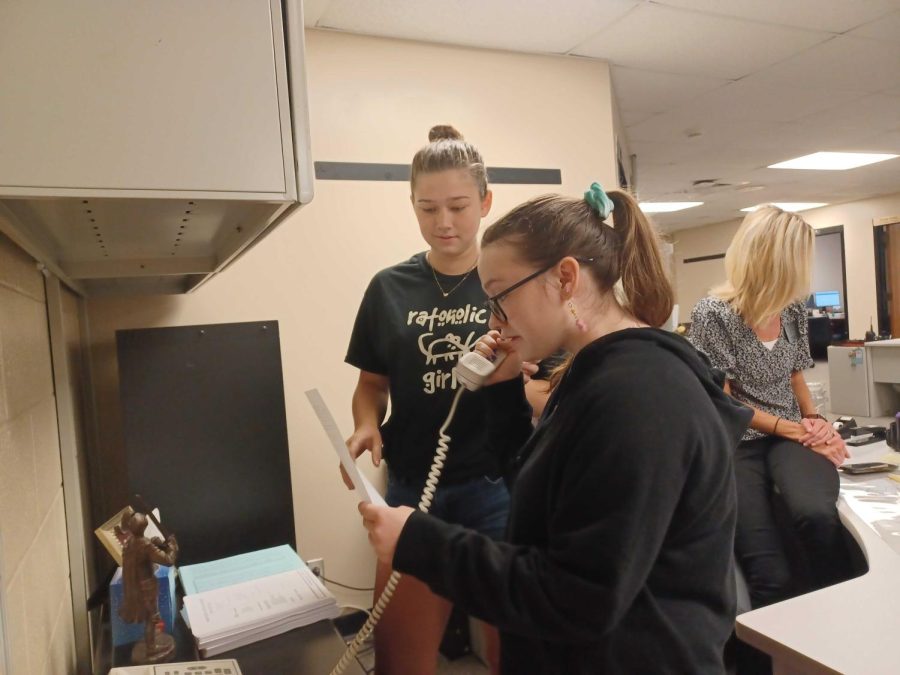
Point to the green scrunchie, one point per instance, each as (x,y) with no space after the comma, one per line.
(598,200)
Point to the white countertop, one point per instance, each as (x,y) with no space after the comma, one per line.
(884,343)
(852,627)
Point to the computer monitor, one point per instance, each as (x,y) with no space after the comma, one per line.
(828,298)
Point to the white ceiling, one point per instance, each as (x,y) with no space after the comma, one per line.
(708,89)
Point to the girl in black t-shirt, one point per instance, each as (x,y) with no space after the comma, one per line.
(415,319)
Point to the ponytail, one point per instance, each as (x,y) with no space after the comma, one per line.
(647,288)
(624,259)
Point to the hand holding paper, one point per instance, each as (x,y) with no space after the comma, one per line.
(364,487)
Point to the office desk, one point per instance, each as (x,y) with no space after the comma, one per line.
(852,627)
(310,650)
(883,371)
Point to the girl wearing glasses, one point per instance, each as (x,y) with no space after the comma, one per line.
(415,319)
(618,552)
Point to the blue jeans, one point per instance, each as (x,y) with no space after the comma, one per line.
(480,504)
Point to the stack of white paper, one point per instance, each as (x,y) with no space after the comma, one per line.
(234,615)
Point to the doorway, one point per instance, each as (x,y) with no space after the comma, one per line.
(829,282)
(887,278)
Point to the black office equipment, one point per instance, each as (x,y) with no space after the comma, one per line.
(820,336)
(205,434)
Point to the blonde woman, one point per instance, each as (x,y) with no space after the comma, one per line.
(754,328)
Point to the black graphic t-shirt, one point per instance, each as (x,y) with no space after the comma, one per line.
(408,331)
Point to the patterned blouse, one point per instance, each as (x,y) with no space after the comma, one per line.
(759,377)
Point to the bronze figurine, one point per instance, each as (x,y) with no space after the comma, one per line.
(140,556)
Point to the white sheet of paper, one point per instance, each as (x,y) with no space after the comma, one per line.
(364,487)
(258,605)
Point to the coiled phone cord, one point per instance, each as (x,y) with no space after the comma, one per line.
(434,475)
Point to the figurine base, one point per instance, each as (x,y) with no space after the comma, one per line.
(165,649)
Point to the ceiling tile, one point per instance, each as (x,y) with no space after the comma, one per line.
(834,16)
(843,62)
(754,100)
(843,127)
(648,91)
(499,24)
(884,142)
(630,117)
(709,131)
(662,39)
(663,153)
(886,28)
(313,10)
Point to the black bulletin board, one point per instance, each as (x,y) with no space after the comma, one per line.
(205,434)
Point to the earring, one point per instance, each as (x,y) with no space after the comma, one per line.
(578,322)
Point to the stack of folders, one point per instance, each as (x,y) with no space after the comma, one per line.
(232,602)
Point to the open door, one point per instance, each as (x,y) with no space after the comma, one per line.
(887,278)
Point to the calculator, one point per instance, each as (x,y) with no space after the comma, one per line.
(220,667)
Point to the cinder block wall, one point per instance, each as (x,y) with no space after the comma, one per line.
(34,565)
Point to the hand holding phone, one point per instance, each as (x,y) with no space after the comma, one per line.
(475,367)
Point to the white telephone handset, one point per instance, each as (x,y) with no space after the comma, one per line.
(471,370)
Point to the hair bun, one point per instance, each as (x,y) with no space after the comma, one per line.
(444,132)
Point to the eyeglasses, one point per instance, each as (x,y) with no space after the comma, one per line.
(493,303)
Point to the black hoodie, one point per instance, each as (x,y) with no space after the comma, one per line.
(618,556)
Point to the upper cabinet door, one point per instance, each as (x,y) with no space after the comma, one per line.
(181,95)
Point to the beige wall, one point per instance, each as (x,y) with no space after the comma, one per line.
(372,100)
(695,279)
(34,566)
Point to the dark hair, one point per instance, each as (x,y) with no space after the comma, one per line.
(447,149)
(547,229)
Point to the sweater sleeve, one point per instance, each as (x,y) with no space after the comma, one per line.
(509,420)
(617,491)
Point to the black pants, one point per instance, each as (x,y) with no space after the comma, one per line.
(808,485)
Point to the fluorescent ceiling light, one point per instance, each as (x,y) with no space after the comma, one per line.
(788,206)
(667,207)
(832,161)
